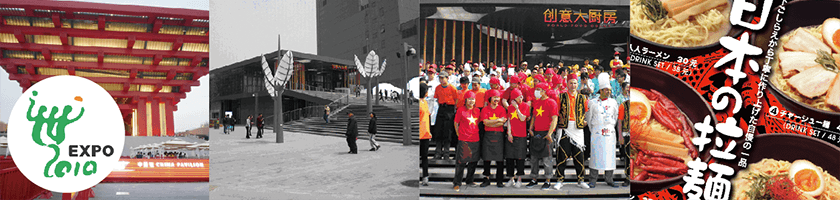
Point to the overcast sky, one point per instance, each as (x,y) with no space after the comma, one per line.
(192,111)
(240,30)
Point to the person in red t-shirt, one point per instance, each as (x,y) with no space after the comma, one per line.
(541,129)
(462,88)
(516,147)
(514,85)
(469,148)
(494,118)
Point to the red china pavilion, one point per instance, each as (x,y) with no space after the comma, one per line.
(147,58)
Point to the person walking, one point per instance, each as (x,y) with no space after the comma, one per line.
(602,118)
(248,122)
(260,126)
(425,134)
(372,130)
(468,150)
(327,114)
(232,122)
(352,133)
(225,123)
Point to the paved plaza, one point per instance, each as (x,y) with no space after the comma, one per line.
(309,166)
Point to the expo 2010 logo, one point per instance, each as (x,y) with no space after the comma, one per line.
(66,133)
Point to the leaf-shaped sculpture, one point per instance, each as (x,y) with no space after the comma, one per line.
(284,69)
(371,63)
(381,68)
(360,67)
(268,77)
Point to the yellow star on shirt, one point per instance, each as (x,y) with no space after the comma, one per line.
(540,111)
(494,117)
(472,120)
(513,115)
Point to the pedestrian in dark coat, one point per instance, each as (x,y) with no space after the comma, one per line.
(352,133)
(260,125)
(372,130)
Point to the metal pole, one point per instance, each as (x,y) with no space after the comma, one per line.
(278,114)
(378,95)
(278,101)
(406,112)
(256,105)
(369,90)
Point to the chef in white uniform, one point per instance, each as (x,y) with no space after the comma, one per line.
(602,118)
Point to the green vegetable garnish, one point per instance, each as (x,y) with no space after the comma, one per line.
(824,58)
(654,10)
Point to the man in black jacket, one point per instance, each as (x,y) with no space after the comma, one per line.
(352,133)
(372,130)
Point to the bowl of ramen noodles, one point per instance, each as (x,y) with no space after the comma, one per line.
(789,166)
(680,23)
(663,110)
(805,60)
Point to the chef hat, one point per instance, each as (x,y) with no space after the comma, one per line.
(604,81)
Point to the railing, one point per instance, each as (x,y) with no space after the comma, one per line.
(315,111)
(312,111)
(309,88)
(16,186)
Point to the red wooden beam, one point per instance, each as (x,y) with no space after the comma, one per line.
(171,74)
(19,35)
(154,36)
(100,56)
(147,94)
(126,86)
(56,20)
(138,81)
(73,6)
(71,70)
(156,28)
(131,40)
(11,62)
(133,74)
(120,51)
(46,53)
(29,69)
(178,43)
(158,86)
(101,21)
(127,107)
(158,58)
(196,60)
(64,39)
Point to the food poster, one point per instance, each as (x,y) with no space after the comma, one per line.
(735,99)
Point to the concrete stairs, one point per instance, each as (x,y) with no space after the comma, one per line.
(389,123)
